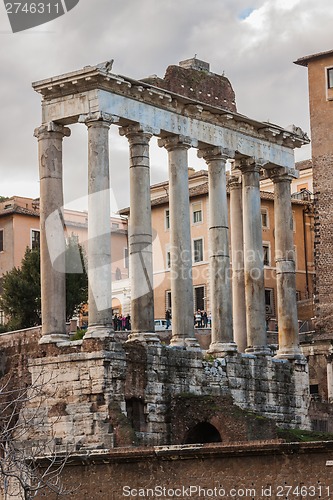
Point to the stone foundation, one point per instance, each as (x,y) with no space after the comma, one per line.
(104,394)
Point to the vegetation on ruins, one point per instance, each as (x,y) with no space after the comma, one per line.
(21,289)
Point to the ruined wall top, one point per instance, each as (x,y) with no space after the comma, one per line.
(193,79)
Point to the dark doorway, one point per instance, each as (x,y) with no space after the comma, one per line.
(204,432)
(136,414)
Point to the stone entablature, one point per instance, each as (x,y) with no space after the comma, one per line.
(94,89)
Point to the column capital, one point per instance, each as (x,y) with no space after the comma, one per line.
(235,182)
(51,127)
(173,142)
(137,129)
(99,118)
(212,153)
(246,165)
(282,174)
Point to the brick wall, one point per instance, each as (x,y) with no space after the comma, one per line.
(202,86)
(252,471)
(323,190)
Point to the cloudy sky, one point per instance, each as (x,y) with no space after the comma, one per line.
(254,42)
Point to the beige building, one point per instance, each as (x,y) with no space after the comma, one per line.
(19,229)
(198,190)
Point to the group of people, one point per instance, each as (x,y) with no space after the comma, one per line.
(202,319)
(121,322)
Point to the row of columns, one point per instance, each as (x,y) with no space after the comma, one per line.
(238,311)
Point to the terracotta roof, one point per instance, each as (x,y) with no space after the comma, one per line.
(303,61)
(303,165)
(19,210)
(203,190)
(195,174)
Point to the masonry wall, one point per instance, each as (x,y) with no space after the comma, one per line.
(252,471)
(321,116)
(103,394)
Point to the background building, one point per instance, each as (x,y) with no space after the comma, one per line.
(319,347)
(198,192)
(19,229)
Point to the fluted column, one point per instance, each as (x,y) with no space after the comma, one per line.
(99,238)
(52,242)
(237,258)
(180,243)
(285,268)
(222,341)
(140,236)
(253,260)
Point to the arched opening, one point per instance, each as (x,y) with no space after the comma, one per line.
(204,432)
(116,306)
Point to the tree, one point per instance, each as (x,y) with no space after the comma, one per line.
(76,279)
(21,299)
(21,296)
(27,470)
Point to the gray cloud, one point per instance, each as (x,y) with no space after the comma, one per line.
(144,37)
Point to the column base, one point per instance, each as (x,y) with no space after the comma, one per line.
(259,350)
(188,343)
(222,348)
(144,337)
(290,353)
(54,338)
(99,332)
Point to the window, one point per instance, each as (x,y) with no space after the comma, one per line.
(167,219)
(199,298)
(35,238)
(2,318)
(126,258)
(168,259)
(266,254)
(118,274)
(168,300)
(196,213)
(330,78)
(269,301)
(298,295)
(1,240)
(264,218)
(198,250)
(114,225)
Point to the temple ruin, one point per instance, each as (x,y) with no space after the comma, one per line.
(102,392)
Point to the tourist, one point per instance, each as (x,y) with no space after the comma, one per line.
(168,318)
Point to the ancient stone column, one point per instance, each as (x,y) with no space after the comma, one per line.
(237,258)
(222,341)
(99,232)
(52,241)
(285,268)
(180,243)
(140,237)
(253,260)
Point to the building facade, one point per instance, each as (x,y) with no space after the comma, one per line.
(199,214)
(20,229)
